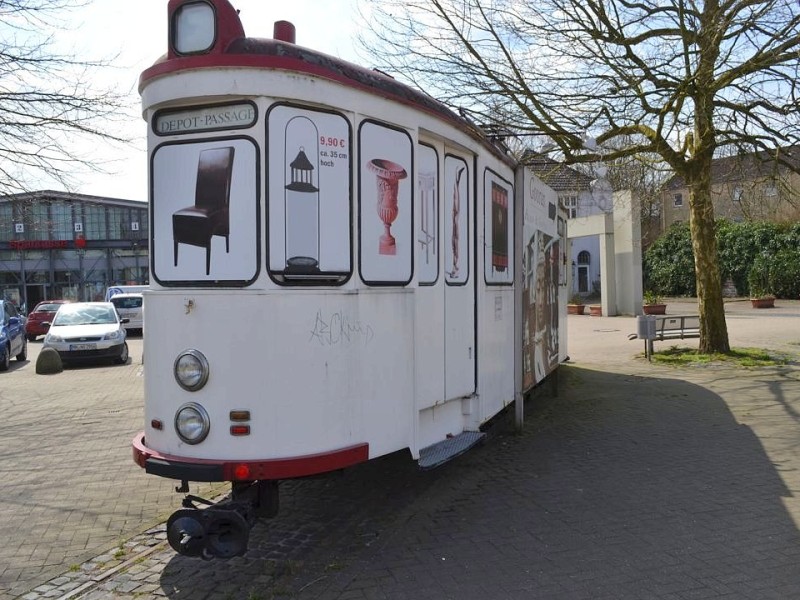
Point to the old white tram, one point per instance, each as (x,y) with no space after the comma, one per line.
(341,268)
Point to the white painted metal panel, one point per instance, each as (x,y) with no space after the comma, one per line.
(429,356)
(318,370)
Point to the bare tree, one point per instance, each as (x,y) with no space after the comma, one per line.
(49,101)
(678,79)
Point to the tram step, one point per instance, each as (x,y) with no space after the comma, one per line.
(440,452)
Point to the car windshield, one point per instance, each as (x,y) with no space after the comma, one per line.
(127,302)
(47,308)
(85,315)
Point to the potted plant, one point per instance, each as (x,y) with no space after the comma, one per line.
(653,304)
(575,306)
(759,280)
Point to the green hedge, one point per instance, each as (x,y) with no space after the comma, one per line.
(669,262)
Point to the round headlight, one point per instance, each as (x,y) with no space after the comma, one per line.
(191,370)
(192,423)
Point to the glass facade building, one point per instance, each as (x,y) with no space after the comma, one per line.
(57,245)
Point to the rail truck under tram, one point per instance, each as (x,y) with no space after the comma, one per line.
(341,267)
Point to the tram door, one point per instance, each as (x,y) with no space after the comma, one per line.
(459,305)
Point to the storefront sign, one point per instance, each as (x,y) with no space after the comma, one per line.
(44,244)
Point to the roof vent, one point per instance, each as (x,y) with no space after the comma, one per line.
(283,31)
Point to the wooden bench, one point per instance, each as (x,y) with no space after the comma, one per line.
(671,327)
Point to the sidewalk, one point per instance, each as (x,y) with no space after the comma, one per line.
(637,481)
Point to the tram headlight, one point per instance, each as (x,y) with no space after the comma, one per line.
(192,423)
(191,370)
(195,28)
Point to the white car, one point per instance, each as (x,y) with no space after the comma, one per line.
(83,331)
(131,307)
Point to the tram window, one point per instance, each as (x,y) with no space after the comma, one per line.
(205,205)
(498,229)
(385,203)
(195,28)
(309,214)
(427,239)
(456,211)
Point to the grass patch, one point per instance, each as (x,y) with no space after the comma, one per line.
(741,357)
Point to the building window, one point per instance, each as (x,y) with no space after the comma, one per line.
(677,200)
(61,215)
(7,229)
(737,194)
(570,204)
(94,222)
(584,260)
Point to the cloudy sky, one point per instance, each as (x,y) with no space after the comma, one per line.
(137,31)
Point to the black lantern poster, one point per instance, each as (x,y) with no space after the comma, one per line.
(309,192)
(385,203)
(456,209)
(205,211)
(498,230)
(427,224)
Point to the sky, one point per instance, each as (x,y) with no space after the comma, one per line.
(135,33)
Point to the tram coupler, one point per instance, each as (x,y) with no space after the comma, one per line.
(221,530)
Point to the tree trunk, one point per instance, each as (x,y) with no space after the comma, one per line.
(713,328)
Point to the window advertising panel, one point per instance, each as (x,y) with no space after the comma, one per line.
(498,231)
(428,220)
(309,177)
(456,230)
(385,204)
(205,212)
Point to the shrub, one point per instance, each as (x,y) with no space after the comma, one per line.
(650,297)
(785,273)
(759,281)
(669,263)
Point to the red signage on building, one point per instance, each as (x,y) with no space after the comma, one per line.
(45,244)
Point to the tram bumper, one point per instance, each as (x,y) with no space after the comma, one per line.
(207,470)
(156,464)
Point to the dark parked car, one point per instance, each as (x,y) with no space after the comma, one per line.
(44,311)
(12,335)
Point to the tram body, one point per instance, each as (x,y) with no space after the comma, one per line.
(336,273)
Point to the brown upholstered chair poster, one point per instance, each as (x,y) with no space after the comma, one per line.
(205,207)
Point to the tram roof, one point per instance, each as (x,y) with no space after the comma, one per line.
(282,55)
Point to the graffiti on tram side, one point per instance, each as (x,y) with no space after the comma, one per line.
(338,328)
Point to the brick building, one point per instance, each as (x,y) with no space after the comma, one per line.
(747,187)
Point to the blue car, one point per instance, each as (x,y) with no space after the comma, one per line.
(12,335)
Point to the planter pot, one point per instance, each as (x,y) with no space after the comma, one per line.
(595,310)
(654,309)
(575,309)
(763,302)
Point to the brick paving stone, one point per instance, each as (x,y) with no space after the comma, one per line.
(638,481)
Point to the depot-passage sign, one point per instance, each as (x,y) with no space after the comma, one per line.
(205,118)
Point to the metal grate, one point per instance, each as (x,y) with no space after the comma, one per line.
(440,452)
